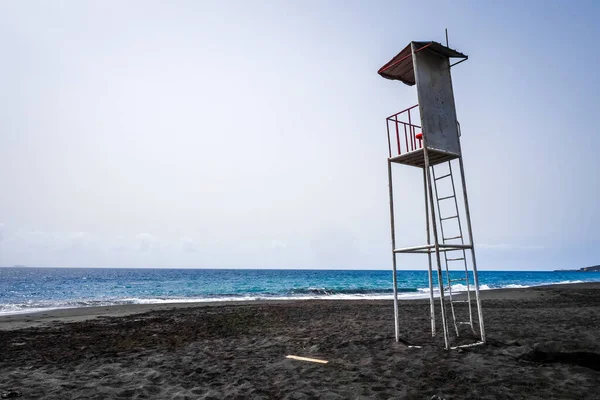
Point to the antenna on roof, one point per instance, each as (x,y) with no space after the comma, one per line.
(447,37)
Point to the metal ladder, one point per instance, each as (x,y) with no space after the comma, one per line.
(460,254)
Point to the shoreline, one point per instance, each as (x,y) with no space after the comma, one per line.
(24,320)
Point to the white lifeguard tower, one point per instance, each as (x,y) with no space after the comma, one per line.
(434,146)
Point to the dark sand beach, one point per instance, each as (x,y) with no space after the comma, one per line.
(543,343)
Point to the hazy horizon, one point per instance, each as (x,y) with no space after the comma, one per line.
(273,269)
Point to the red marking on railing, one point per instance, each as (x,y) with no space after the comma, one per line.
(410,133)
(410,130)
(398,137)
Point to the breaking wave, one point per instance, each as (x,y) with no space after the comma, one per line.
(107,291)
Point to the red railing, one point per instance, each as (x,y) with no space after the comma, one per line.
(400,125)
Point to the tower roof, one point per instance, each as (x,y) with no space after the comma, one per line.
(401,67)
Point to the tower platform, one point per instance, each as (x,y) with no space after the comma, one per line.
(416,158)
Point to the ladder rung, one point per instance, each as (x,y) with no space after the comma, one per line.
(453,237)
(458,280)
(446,197)
(464,323)
(442,177)
(454,216)
(455,259)
(460,301)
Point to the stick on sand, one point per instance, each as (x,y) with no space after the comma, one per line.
(307,359)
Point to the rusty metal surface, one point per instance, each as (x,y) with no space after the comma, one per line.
(400,67)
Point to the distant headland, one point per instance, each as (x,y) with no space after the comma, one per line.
(595,268)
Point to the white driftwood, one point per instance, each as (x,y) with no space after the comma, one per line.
(307,359)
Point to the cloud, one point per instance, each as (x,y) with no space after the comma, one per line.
(278,244)
(188,245)
(79,238)
(146,241)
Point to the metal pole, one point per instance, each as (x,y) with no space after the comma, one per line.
(393,229)
(475,275)
(431,301)
(436,242)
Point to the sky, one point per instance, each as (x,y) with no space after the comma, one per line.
(251,134)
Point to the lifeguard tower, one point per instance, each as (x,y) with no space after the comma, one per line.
(434,146)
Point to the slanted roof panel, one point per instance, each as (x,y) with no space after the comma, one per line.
(401,67)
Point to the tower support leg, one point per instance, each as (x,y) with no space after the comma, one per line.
(475,274)
(430,271)
(436,244)
(393,232)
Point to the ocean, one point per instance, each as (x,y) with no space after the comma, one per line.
(37,289)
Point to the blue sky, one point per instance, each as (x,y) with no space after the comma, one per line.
(252,134)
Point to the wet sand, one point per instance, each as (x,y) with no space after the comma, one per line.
(543,343)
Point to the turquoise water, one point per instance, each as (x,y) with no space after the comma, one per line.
(32,289)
